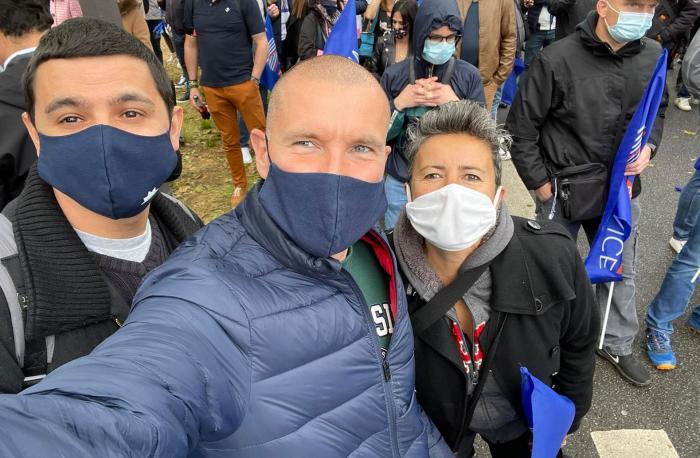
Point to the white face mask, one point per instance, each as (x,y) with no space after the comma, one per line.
(453,217)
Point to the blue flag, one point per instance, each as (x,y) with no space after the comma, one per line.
(342,40)
(272,71)
(604,262)
(549,415)
(510,87)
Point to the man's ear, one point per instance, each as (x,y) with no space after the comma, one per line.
(33,133)
(176,120)
(262,157)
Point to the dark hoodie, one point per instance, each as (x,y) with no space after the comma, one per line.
(465,80)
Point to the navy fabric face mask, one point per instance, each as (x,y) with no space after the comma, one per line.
(322,213)
(109,171)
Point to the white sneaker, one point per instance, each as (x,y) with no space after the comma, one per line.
(503,152)
(683,103)
(247,158)
(677,245)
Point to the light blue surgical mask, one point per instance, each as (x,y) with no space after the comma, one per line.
(438,53)
(630,26)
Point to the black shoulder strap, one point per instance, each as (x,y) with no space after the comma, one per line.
(450,70)
(412,72)
(445,299)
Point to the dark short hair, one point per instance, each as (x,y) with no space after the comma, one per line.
(19,17)
(88,37)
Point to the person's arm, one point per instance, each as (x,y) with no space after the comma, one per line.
(175,375)
(682,24)
(527,115)
(261,48)
(577,344)
(509,42)
(372,10)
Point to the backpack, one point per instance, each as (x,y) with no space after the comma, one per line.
(12,285)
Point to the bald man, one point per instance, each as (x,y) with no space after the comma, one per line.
(277,330)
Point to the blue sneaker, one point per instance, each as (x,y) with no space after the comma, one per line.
(659,350)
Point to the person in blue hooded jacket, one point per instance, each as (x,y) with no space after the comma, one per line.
(432,77)
(280,329)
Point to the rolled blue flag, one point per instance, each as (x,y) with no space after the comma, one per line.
(342,40)
(548,413)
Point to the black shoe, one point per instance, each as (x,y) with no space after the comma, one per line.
(629,368)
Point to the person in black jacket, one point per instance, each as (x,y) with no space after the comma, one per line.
(569,14)
(394,46)
(317,24)
(90,222)
(567,121)
(674,20)
(523,298)
(22,23)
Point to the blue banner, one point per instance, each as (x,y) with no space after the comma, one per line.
(273,70)
(604,262)
(549,415)
(510,87)
(342,40)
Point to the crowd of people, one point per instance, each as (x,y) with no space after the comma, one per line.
(371,294)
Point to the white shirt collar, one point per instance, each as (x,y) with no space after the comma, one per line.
(16,54)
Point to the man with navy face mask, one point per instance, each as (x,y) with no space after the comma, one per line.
(280,329)
(90,222)
(567,122)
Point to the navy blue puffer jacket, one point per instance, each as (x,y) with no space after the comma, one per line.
(240,345)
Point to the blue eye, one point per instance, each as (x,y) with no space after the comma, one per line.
(362,149)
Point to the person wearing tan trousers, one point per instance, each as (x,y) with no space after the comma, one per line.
(133,20)
(220,38)
(488,41)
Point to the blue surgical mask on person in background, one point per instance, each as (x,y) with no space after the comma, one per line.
(109,171)
(322,213)
(438,53)
(630,26)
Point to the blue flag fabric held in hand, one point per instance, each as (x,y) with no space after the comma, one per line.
(510,87)
(604,262)
(272,71)
(342,40)
(549,415)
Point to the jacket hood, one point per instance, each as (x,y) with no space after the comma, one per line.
(433,14)
(590,39)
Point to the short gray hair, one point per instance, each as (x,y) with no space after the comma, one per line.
(461,117)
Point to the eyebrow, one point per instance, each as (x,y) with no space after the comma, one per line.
(76,102)
(461,167)
(65,102)
(314,136)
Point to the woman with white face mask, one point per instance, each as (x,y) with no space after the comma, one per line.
(488,292)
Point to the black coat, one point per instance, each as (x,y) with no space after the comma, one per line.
(673,27)
(543,296)
(569,14)
(568,108)
(17,152)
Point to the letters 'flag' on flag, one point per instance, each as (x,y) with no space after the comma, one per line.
(342,40)
(604,262)
(549,415)
(272,71)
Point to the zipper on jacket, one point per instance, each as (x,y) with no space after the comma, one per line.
(384,362)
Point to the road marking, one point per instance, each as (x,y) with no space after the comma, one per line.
(637,443)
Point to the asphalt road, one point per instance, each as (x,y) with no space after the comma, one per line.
(672,402)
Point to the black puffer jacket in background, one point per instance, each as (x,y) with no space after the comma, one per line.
(568,110)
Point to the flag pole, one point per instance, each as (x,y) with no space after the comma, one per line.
(607,314)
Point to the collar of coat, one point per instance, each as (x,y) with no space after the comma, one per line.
(62,281)
(589,39)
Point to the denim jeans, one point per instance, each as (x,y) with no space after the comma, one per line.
(179,45)
(622,322)
(535,43)
(679,284)
(496,102)
(688,208)
(395,191)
